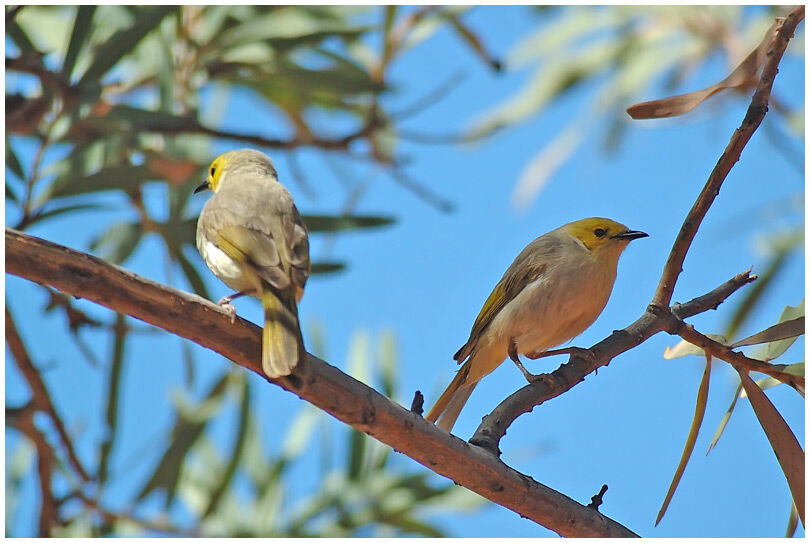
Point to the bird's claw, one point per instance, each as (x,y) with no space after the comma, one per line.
(225,303)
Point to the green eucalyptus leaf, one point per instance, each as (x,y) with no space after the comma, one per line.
(777,348)
(185,434)
(122,42)
(235,455)
(119,242)
(124,177)
(82,27)
(12,162)
(192,275)
(64,209)
(337,223)
(324,267)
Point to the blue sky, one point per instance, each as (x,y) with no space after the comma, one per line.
(426,277)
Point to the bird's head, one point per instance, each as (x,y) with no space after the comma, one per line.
(602,236)
(226,164)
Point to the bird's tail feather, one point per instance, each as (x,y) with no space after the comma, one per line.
(448,406)
(451,413)
(281,337)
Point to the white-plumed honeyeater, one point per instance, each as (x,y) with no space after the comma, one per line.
(552,292)
(251,236)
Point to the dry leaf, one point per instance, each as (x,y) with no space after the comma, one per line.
(783,442)
(782,330)
(700,410)
(744,74)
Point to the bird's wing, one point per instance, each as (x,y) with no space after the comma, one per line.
(524,270)
(257,249)
(295,232)
(263,228)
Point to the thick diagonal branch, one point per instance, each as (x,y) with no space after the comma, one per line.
(314,380)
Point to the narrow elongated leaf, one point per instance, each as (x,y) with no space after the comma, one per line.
(783,330)
(119,242)
(235,456)
(124,41)
(700,410)
(724,421)
(81,32)
(184,435)
(336,223)
(12,162)
(783,442)
(472,40)
(134,118)
(323,267)
(545,164)
(684,348)
(11,195)
(113,395)
(793,521)
(777,348)
(742,75)
(61,210)
(192,275)
(123,177)
(754,294)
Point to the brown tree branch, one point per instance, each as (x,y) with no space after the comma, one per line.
(753,118)
(658,316)
(41,397)
(314,380)
(23,420)
(736,359)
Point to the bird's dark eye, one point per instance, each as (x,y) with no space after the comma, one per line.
(213,169)
(599,232)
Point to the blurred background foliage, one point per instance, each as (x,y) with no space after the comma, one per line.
(103,103)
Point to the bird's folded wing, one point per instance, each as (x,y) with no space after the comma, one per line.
(514,280)
(298,243)
(255,248)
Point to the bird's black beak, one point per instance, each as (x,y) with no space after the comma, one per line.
(630,235)
(204,185)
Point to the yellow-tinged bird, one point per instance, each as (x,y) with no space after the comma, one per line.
(553,291)
(251,236)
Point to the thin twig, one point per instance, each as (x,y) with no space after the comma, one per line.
(753,118)
(23,420)
(736,359)
(421,191)
(41,396)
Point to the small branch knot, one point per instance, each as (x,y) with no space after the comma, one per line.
(418,403)
(596,500)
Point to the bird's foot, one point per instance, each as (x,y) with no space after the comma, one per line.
(547,378)
(225,303)
(513,355)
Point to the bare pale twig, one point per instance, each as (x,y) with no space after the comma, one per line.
(317,382)
(41,396)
